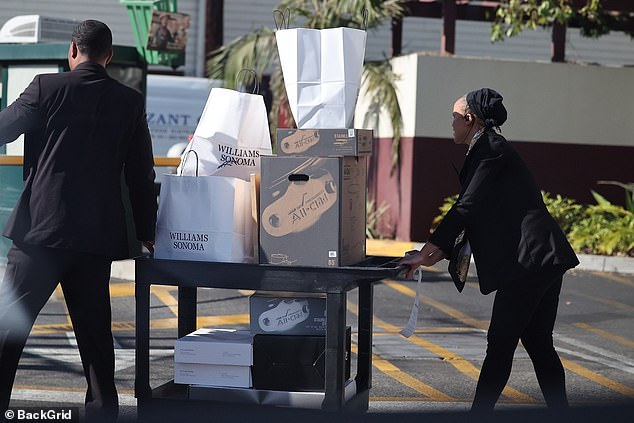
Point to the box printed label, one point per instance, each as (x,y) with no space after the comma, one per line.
(285,316)
(313,210)
(299,141)
(324,142)
(301,206)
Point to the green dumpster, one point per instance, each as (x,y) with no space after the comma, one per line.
(140,14)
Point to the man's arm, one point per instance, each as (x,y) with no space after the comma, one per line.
(139,176)
(23,115)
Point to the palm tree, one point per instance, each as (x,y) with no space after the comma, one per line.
(258,51)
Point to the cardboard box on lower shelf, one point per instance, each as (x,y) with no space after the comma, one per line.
(292,362)
(275,313)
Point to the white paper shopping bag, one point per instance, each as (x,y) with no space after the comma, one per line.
(232,134)
(204,218)
(322,71)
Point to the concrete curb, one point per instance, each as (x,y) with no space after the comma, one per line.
(606,264)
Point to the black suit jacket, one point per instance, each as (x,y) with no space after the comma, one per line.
(82,129)
(504,217)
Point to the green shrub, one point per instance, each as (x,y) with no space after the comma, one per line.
(604,228)
(443,209)
(564,210)
(374,215)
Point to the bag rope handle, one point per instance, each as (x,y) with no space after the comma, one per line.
(185,157)
(284,18)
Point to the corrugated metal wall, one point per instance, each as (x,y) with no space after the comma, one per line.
(419,34)
(114,14)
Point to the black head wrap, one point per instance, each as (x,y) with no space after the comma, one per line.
(487,105)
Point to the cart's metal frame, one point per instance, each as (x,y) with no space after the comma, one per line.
(335,283)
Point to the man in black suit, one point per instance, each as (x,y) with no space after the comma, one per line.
(518,248)
(82,130)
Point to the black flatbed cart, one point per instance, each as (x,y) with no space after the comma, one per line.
(335,283)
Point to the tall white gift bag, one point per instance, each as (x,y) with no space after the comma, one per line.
(322,71)
(205,218)
(232,134)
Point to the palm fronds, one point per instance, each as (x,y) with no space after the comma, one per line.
(379,82)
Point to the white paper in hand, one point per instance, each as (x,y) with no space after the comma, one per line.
(410,327)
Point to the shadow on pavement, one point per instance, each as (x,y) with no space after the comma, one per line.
(247,414)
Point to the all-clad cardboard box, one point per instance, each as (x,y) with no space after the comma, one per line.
(289,314)
(324,142)
(292,362)
(215,346)
(212,375)
(312,210)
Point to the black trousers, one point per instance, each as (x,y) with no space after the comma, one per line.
(525,310)
(31,276)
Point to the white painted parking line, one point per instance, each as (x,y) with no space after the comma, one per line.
(600,355)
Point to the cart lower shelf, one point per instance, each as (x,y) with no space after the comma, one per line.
(170,391)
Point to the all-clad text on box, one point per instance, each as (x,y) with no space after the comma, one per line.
(324,142)
(215,346)
(288,314)
(312,210)
(212,375)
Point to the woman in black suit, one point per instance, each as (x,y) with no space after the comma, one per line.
(518,248)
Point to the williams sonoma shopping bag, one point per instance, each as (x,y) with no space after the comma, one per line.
(322,74)
(232,134)
(205,218)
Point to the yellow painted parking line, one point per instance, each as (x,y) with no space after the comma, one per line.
(51,328)
(597,378)
(59,294)
(164,295)
(568,364)
(410,399)
(616,338)
(612,303)
(201,321)
(462,365)
(430,330)
(387,248)
(406,379)
(616,278)
(122,289)
(456,314)
(458,362)
(168,323)
(231,319)
(126,289)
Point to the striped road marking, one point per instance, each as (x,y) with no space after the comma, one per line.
(406,379)
(568,364)
(462,365)
(612,337)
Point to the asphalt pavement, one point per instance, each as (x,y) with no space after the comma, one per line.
(429,376)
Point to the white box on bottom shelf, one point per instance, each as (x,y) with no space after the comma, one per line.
(212,375)
(215,346)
